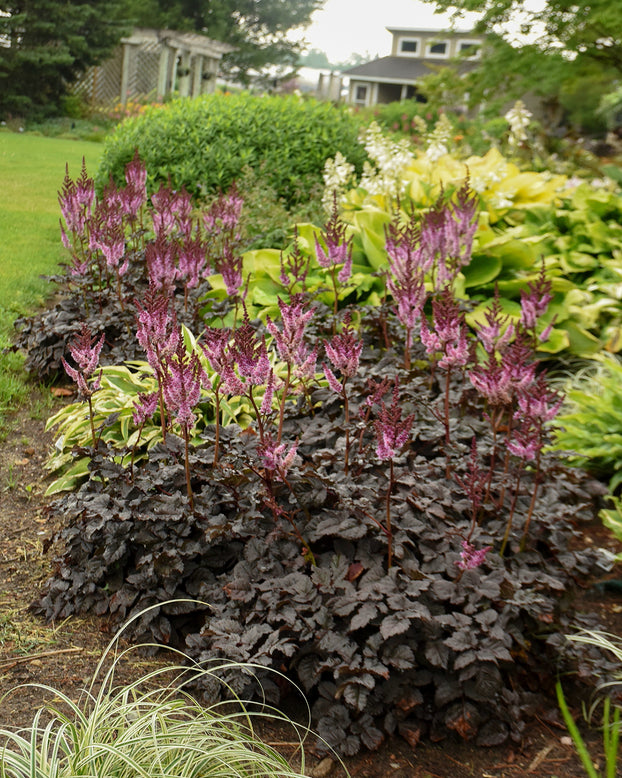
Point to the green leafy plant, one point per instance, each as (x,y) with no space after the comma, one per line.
(589,427)
(151,726)
(206,143)
(611,716)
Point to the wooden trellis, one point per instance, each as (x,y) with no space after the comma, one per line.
(153,64)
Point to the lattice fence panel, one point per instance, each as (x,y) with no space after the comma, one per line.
(146,67)
(101,85)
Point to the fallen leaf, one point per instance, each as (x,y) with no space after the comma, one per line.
(61,391)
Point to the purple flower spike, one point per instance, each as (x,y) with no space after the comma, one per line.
(274,456)
(136,173)
(289,340)
(344,351)
(392,431)
(144,407)
(156,328)
(160,259)
(449,336)
(535,301)
(192,259)
(85,351)
(471,557)
(181,386)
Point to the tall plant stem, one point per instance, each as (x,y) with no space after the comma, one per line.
(162,416)
(389,528)
(92,422)
(508,526)
(282,404)
(217,430)
(446,423)
(407,348)
(346,414)
(532,503)
(493,455)
(187,466)
(260,428)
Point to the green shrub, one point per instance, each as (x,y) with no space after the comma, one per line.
(589,427)
(204,144)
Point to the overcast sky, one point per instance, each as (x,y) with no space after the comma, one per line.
(346,26)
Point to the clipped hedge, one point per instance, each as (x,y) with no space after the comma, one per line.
(204,143)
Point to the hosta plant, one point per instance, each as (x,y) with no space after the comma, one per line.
(525,217)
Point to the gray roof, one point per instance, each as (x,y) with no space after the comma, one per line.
(398,70)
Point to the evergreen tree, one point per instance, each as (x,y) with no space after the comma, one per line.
(46,44)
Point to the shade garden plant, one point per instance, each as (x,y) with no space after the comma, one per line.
(356,495)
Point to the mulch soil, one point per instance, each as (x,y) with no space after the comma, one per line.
(64,655)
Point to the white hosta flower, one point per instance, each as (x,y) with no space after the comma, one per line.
(435,151)
(391,159)
(518,117)
(438,139)
(338,177)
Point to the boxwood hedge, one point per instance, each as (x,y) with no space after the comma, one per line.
(204,143)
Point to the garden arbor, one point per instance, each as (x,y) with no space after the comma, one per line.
(155,63)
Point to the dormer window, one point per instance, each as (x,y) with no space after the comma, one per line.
(409,47)
(437,49)
(470,49)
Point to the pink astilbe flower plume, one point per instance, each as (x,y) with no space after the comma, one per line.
(344,350)
(392,431)
(156,328)
(497,331)
(334,250)
(449,332)
(163,215)
(405,277)
(85,351)
(134,196)
(535,301)
(294,266)
(160,257)
(144,407)
(181,389)
(471,557)
(289,339)
(76,200)
(182,385)
(276,457)
(447,232)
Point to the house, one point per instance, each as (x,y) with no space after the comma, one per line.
(414,54)
(153,64)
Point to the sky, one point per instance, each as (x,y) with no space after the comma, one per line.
(342,27)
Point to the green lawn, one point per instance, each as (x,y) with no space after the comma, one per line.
(32,169)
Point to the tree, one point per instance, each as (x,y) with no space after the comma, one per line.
(586,28)
(568,52)
(47,44)
(258,29)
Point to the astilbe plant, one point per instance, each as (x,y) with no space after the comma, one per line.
(421,622)
(85,350)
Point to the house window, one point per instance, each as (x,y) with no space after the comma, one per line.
(360,95)
(409,47)
(439,49)
(470,49)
